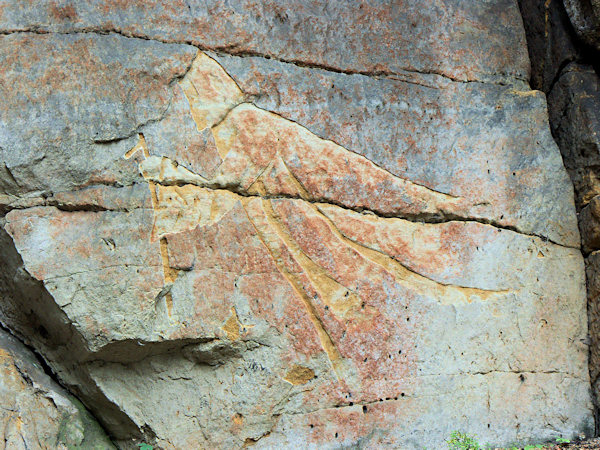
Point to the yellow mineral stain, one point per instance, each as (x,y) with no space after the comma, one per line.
(17,422)
(141,145)
(153,194)
(215,209)
(232,326)
(169,274)
(258,186)
(182,208)
(446,294)
(341,300)
(546,17)
(531,93)
(294,280)
(224,135)
(301,190)
(299,375)
(210,91)
(238,419)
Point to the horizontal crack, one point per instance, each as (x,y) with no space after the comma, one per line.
(425,218)
(48,199)
(98,269)
(405,396)
(229,50)
(71,207)
(428,218)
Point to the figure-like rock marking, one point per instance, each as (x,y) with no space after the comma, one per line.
(264,157)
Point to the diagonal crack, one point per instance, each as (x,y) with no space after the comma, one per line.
(424,218)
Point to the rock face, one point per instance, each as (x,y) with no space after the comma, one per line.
(585,17)
(291,224)
(36,412)
(568,72)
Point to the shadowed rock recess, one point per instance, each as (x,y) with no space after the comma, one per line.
(288,224)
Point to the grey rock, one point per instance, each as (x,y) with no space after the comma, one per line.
(37,412)
(585,16)
(70,99)
(449,37)
(551,40)
(188,309)
(574,106)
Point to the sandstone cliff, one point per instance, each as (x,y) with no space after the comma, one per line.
(298,224)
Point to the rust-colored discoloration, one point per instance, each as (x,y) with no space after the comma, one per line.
(265,219)
(370,36)
(141,145)
(266,155)
(211,93)
(67,12)
(238,419)
(250,217)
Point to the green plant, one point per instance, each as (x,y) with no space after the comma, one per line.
(562,441)
(462,441)
(145,446)
(532,447)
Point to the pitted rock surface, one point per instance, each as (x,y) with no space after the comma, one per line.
(233,234)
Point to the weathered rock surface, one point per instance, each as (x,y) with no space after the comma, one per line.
(36,412)
(567,71)
(222,232)
(448,37)
(575,118)
(549,40)
(585,16)
(590,225)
